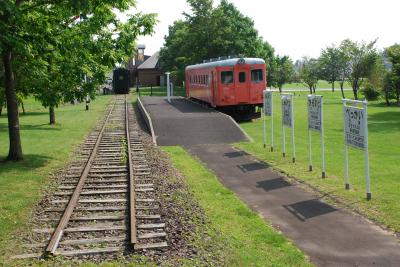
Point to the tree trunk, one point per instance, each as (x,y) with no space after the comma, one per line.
(310,88)
(341,89)
(387,97)
(355,89)
(314,87)
(333,86)
(52,115)
(15,149)
(23,107)
(398,96)
(2,99)
(280,88)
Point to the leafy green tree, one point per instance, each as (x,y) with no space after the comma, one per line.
(361,58)
(2,91)
(283,71)
(393,53)
(332,60)
(388,87)
(211,33)
(371,89)
(310,73)
(40,30)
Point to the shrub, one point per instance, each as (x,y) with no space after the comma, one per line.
(370,92)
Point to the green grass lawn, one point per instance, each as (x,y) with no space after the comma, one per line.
(249,240)
(321,84)
(160,91)
(384,152)
(46,148)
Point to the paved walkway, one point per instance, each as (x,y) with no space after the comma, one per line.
(186,123)
(329,236)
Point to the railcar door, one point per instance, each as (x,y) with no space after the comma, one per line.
(242,83)
(213,88)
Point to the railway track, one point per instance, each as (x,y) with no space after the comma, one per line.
(105,203)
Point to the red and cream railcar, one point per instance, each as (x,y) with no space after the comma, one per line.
(234,86)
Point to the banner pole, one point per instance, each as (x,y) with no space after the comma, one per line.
(309,151)
(265,127)
(346,167)
(293,145)
(272,122)
(283,136)
(369,195)
(322,137)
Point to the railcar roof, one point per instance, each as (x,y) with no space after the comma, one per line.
(226,63)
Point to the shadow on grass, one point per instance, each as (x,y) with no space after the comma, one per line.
(382,104)
(29,163)
(387,121)
(42,127)
(34,113)
(31,127)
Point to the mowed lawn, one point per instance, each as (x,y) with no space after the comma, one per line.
(247,239)
(160,91)
(384,152)
(46,148)
(321,84)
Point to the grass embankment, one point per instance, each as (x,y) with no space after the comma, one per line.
(384,151)
(46,148)
(249,241)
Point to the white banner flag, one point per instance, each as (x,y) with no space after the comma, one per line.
(267,103)
(314,105)
(354,127)
(287,111)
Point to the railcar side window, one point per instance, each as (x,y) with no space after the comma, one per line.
(226,77)
(257,75)
(242,77)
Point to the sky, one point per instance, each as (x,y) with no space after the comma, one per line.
(295,28)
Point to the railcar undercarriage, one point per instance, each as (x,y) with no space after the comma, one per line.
(237,112)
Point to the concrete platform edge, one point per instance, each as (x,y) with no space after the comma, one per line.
(147,119)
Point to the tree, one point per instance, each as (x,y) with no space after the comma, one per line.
(211,33)
(283,71)
(2,91)
(310,73)
(361,58)
(388,87)
(375,84)
(344,70)
(34,30)
(393,53)
(331,61)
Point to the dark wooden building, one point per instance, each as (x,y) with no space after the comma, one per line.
(145,70)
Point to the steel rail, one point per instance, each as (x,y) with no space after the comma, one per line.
(132,211)
(58,233)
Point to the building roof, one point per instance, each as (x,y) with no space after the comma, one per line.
(226,62)
(151,62)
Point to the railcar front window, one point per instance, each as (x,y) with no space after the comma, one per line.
(226,77)
(257,75)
